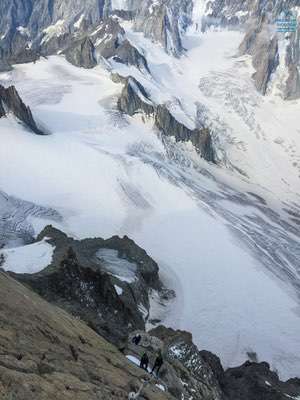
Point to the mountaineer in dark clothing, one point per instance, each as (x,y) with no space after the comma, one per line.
(144,362)
(136,339)
(158,363)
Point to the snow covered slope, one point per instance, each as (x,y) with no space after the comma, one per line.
(227,243)
(28,259)
(210,85)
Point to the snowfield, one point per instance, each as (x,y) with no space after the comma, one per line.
(28,259)
(226,239)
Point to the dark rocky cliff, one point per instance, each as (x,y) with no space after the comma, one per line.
(82,54)
(10,101)
(106,283)
(189,373)
(134,99)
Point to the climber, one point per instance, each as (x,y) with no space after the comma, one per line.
(158,363)
(136,339)
(144,362)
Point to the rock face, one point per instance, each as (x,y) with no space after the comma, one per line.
(48,354)
(200,138)
(188,373)
(195,377)
(82,54)
(163,22)
(36,16)
(292,61)
(110,42)
(107,40)
(10,101)
(129,55)
(255,381)
(46,27)
(134,99)
(104,282)
(264,52)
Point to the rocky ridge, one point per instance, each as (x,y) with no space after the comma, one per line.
(188,373)
(264,52)
(11,102)
(165,22)
(134,99)
(106,283)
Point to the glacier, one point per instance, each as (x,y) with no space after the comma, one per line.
(226,236)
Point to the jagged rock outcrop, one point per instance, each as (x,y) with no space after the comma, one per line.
(48,354)
(255,381)
(87,294)
(4,64)
(49,27)
(188,373)
(196,376)
(10,101)
(129,55)
(36,16)
(107,40)
(292,88)
(263,47)
(107,37)
(104,282)
(110,42)
(134,99)
(164,22)
(170,126)
(292,61)
(265,61)
(30,27)
(82,54)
